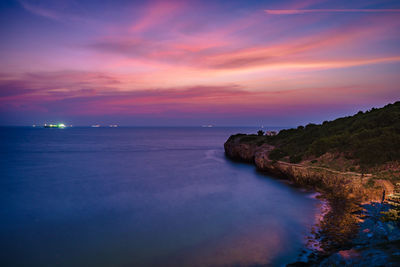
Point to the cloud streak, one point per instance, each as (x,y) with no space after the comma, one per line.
(40,11)
(95,93)
(307,11)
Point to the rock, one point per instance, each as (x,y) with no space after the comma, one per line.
(241,151)
(369,257)
(380,231)
(373,257)
(334,260)
(393,231)
(319,178)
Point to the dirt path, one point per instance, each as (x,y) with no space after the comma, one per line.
(327,169)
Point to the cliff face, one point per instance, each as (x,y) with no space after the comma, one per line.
(242,151)
(345,184)
(341,227)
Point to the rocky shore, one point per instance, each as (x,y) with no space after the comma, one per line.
(351,233)
(376,243)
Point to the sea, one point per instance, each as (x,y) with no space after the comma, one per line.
(143,196)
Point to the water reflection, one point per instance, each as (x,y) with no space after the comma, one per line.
(140,197)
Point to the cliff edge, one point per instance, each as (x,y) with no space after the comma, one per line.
(354,162)
(324,180)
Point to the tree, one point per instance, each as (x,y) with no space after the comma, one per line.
(260,133)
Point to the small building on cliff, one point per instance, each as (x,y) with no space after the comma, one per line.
(271,133)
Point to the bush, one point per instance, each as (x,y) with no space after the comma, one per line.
(295,158)
(249,138)
(277,154)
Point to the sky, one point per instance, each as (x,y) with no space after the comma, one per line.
(190,63)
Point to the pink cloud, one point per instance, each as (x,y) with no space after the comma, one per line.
(223,50)
(96,94)
(155,14)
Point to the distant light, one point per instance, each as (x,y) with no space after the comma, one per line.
(61,125)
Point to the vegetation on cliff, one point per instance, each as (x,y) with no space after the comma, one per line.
(365,142)
(362,150)
(348,160)
(370,138)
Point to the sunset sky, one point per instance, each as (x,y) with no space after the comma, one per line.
(244,63)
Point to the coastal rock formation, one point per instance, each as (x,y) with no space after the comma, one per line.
(350,234)
(376,244)
(320,179)
(242,151)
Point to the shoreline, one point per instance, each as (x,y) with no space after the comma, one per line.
(349,228)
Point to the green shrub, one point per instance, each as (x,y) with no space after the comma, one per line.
(277,154)
(249,138)
(295,158)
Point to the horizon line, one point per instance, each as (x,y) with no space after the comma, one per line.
(155,126)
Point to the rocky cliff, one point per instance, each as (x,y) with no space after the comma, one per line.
(324,180)
(349,233)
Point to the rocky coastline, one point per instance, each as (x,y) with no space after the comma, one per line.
(351,233)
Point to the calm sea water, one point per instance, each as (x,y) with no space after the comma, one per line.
(142,197)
